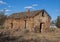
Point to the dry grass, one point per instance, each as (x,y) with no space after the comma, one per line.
(19,36)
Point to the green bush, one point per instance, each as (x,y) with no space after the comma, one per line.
(52,29)
(25,30)
(1,27)
(58,22)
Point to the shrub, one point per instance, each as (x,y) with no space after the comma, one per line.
(25,30)
(1,27)
(58,22)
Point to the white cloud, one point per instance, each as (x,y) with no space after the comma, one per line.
(9,6)
(57,10)
(35,5)
(32,6)
(2,2)
(28,7)
(7,10)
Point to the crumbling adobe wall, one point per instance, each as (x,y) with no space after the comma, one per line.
(40,19)
(31,23)
(17,24)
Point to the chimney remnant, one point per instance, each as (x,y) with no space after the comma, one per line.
(28,11)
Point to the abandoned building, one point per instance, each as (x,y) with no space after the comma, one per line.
(34,21)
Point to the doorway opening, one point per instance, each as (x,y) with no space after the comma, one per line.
(41,27)
(11,25)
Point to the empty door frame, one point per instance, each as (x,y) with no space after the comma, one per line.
(41,27)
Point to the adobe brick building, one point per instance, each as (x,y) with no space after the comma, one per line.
(34,21)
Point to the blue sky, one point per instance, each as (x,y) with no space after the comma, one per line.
(51,6)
